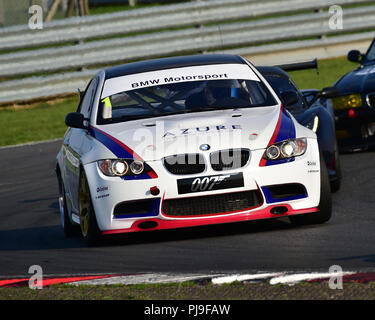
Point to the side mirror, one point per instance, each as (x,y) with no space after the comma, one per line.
(354,56)
(329,92)
(75,120)
(289,98)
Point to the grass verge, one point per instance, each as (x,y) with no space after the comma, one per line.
(45,120)
(194,291)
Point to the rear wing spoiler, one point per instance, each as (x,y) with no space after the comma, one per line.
(313,64)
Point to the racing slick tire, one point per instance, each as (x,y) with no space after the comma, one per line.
(68,227)
(89,226)
(325,203)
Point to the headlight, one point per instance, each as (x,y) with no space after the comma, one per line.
(313,124)
(273,152)
(121,167)
(347,102)
(286,149)
(137,167)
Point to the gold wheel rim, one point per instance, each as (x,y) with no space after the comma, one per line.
(84,205)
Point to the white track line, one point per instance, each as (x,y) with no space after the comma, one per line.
(146,278)
(294,278)
(245,277)
(153,278)
(32,143)
(150,278)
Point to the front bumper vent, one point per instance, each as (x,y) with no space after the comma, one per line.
(212,205)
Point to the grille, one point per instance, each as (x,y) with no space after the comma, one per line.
(215,204)
(184,163)
(229,159)
(371,100)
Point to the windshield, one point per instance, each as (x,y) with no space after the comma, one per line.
(181,95)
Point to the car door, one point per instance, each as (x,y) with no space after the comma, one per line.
(76,145)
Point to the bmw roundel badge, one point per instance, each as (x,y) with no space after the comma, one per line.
(204,147)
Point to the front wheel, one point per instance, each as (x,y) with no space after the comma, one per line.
(325,204)
(89,227)
(68,227)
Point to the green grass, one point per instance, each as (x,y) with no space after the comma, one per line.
(195,291)
(46,121)
(43,122)
(329,72)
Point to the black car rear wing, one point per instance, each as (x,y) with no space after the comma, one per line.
(313,64)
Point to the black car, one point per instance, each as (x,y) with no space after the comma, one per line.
(310,111)
(355,107)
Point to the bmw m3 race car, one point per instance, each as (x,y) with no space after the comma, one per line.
(182,142)
(355,107)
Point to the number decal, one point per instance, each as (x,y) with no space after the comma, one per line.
(206,183)
(195,185)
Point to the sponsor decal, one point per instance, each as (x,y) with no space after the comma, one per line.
(313,171)
(71,158)
(102,196)
(154,82)
(178,75)
(197,130)
(101,189)
(311,163)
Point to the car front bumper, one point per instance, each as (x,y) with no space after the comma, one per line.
(108,192)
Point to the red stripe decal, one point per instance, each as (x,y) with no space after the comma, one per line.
(132,152)
(263,161)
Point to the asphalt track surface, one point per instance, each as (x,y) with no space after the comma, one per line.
(30,232)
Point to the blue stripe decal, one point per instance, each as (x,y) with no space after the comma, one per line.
(269,199)
(118,150)
(287,131)
(273,162)
(154,211)
(136,177)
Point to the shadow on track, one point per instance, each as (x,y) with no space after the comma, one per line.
(201,232)
(37,238)
(52,237)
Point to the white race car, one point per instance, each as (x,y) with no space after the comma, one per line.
(186,141)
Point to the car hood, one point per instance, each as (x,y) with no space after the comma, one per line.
(360,80)
(155,138)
